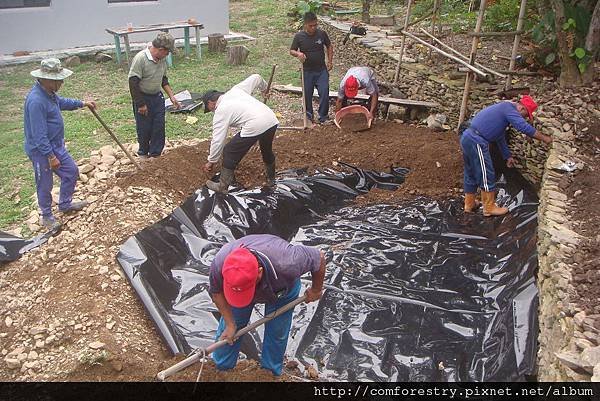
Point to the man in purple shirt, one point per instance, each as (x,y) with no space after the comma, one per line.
(489,125)
(45,139)
(265,269)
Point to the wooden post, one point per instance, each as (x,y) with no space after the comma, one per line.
(117,49)
(406,19)
(237,55)
(305,117)
(515,48)
(465,98)
(186,41)
(436,5)
(127,49)
(198,44)
(216,43)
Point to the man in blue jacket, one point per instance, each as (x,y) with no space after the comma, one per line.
(489,125)
(261,268)
(45,139)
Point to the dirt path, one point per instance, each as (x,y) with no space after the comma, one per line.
(68,312)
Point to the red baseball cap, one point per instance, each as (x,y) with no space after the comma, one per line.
(530,104)
(240,271)
(351,86)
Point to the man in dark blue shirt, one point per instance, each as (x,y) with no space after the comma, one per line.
(45,139)
(309,47)
(489,125)
(265,269)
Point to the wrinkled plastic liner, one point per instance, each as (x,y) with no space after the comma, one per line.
(417,292)
(13,247)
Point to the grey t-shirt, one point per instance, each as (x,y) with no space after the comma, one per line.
(283,264)
(149,72)
(365,77)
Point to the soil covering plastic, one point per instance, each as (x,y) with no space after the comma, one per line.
(417,292)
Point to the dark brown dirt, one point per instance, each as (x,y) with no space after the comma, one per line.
(383,146)
(354,122)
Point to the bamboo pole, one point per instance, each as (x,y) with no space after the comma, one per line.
(436,5)
(450,56)
(465,99)
(515,48)
(482,34)
(304,116)
(462,55)
(397,75)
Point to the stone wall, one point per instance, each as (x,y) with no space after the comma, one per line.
(568,340)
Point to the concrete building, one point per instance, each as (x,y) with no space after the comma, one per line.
(37,25)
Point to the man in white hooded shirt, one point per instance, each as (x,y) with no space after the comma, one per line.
(237,108)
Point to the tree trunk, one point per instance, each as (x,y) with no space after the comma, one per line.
(592,44)
(366,7)
(569,72)
(237,55)
(216,43)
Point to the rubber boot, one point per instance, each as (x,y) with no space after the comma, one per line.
(471,203)
(223,185)
(270,172)
(489,205)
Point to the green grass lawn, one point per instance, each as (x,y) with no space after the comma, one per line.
(107,85)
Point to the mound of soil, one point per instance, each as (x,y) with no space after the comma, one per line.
(434,160)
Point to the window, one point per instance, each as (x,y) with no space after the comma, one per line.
(128,1)
(24,3)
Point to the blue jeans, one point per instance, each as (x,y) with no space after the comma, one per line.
(275,339)
(320,80)
(151,127)
(479,169)
(68,173)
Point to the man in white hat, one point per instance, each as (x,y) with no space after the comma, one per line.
(45,139)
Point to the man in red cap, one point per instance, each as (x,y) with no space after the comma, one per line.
(489,125)
(357,78)
(265,269)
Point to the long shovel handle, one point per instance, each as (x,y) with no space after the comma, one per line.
(114,137)
(190,360)
(305,118)
(266,97)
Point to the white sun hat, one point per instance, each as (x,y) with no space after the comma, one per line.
(50,68)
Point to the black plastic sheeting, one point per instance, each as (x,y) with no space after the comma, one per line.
(13,247)
(418,292)
(187,105)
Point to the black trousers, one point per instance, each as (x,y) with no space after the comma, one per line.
(238,146)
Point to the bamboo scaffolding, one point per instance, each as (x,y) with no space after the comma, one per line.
(466,92)
(462,55)
(481,34)
(515,48)
(450,56)
(397,75)
(436,7)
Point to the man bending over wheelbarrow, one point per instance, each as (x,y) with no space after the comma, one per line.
(358,78)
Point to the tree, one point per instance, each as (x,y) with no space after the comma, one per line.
(577,49)
(366,7)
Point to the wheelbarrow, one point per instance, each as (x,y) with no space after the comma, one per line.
(354,109)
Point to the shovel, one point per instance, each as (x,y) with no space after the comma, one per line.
(114,137)
(199,354)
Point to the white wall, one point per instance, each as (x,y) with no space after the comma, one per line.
(73,23)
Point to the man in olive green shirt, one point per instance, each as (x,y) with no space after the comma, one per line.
(147,76)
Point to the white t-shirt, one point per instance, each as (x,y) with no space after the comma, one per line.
(237,108)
